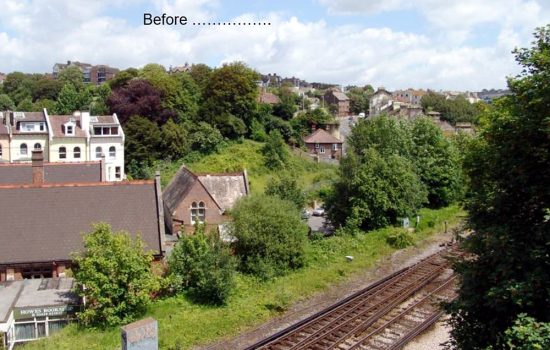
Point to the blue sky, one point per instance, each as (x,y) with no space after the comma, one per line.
(434,44)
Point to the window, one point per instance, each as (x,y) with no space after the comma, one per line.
(97,130)
(76,152)
(316,145)
(198,212)
(41,126)
(112,152)
(70,130)
(0,150)
(37,146)
(114,130)
(322,149)
(335,147)
(23,149)
(62,152)
(118,174)
(98,152)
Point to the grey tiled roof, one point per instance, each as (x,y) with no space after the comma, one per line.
(53,173)
(45,223)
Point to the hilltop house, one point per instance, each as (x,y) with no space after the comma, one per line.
(323,145)
(201,198)
(340,100)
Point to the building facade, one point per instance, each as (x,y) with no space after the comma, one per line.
(91,74)
(321,144)
(64,138)
(340,100)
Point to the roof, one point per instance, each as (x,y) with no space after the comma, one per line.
(321,136)
(4,129)
(226,189)
(21,173)
(103,119)
(340,96)
(31,117)
(45,223)
(268,97)
(57,122)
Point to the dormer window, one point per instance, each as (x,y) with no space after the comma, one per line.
(70,127)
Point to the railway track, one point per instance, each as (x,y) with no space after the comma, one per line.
(385,315)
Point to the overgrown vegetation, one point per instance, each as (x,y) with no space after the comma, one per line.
(509,200)
(204,266)
(184,323)
(116,272)
(270,236)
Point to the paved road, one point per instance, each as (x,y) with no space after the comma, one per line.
(345,130)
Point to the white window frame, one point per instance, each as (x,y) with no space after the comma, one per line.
(322,149)
(75,152)
(98,154)
(195,212)
(63,154)
(112,152)
(118,173)
(21,148)
(335,147)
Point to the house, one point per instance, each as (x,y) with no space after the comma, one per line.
(467,128)
(323,145)
(444,125)
(411,96)
(27,131)
(340,100)
(64,138)
(379,101)
(201,198)
(269,98)
(42,223)
(95,74)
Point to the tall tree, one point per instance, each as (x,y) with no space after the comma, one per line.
(18,86)
(6,103)
(68,100)
(72,75)
(509,203)
(175,141)
(143,140)
(230,99)
(201,75)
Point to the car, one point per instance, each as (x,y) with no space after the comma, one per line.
(319,211)
(305,214)
(350,118)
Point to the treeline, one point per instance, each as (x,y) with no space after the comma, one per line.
(392,168)
(454,110)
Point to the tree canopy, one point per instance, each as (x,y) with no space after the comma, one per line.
(509,200)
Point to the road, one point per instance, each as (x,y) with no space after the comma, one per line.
(345,130)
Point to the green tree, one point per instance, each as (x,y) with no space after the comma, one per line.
(374,190)
(18,86)
(286,187)
(72,75)
(122,78)
(270,236)
(143,141)
(39,105)
(205,139)
(68,100)
(508,203)
(230,99)
(116,273)
(25,105)
(275,151)
(6,103)
(47,88)
(175,141)
(287,107)
(359,99)
(528,334)
(201,75)
(437,163)
(204,266)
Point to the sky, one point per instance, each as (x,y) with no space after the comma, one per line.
(436,44)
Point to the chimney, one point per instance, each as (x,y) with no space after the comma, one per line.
(85,121)
(37,167)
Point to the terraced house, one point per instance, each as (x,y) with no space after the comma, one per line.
(64,138)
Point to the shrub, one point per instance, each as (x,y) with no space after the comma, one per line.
(271,237)
(400,239)
(528,334)
(286,187)
(203,266)
(117,274)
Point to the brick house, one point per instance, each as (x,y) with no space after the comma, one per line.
(340,100)
(42,223)
(268,98)
(323,145)
(201,198)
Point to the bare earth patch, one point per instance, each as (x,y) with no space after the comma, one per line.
(305,308)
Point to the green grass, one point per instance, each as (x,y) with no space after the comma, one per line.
(183,324)
(247,155)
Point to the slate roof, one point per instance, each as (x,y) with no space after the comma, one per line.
(103,119)
(340,96)
(57,122)
(45,223)
(226,189)
(21,173)
(321,136)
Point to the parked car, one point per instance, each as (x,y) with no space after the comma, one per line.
(319,211)
(305,214)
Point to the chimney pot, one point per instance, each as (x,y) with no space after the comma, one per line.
(37,167)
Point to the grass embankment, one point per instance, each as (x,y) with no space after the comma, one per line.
(247,155)
(183,324)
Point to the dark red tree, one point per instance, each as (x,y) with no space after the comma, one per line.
(139,97)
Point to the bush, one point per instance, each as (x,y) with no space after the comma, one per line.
(400,239)
(117,274)
(527,334)
(271,237)
(286,187)
(204,266)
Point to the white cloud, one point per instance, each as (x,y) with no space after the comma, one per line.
(42,33)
